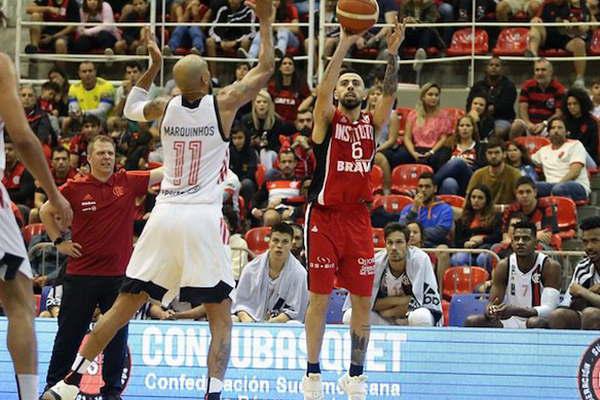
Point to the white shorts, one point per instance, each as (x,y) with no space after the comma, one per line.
(182,251)
(13,255)
(514,323)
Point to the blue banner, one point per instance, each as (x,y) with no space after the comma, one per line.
(168,360)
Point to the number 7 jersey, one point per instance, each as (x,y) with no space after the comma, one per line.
(344,161)
(195,153)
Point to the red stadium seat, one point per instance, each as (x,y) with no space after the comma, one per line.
(452,199)
(446,311)
(405,177)
(259,175)
(462,280)
(595,44)
(378,238)
(393,203)
(532,143)
(31,230)
(511,42)
(454,114)
(258,239)
(462,42)
(377,179)
(37,302)
(566,214)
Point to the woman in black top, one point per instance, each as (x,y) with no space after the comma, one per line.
(580,123)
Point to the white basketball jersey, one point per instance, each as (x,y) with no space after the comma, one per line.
(524,289)
(2,155)
(195,154)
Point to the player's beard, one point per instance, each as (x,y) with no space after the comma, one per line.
(350,104)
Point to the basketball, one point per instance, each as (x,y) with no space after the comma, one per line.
(357,15)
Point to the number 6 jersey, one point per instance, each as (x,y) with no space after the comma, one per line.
(195,153)
(344,159)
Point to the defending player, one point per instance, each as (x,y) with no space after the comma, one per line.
(182,249)
(337,218)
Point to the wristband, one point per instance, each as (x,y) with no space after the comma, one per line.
(58,241)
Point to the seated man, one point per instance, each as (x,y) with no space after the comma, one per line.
(55,37)
(39,120)
(404,289)
(90,128)
(570,37)
(539,211)
(580,308)
(506,9)
(273,287)
(563,163)
(525,285)
(17,180)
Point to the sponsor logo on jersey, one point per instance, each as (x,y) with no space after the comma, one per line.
(349,133)
(322,263)
(88,203)
(367,266)
(588,374)
(118,191)
(360,166)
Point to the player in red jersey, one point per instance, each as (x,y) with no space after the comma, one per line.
(338,227)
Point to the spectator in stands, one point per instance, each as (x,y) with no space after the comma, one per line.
(288,90)
(540,212)
(563,164)
(478,110)
(298,244)
(595,89)
(540,99)
(243,161)
(500,177)
(404,288)
(524,286)
(427,128)
(133,72)
(134,39)
(92,96)
(281,189)
(482,9)
(416,237)
(419,12)
(510,8)
(52,38)
(17,180)
(229,39)
(273,287)
(263,126)
(375,37)
(571,37)
(136,143)
(580,308)
(477,228)
(49,104)
(501,94)
(241,69)
(517,156)
(463,158)
(39,120)
(59,77)
(581,124)
(593,7)
(285,36)
(302,144)
(102,36)
(102,241)
(189,36)
(78,146)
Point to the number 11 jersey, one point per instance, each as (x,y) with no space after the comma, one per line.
(195,153)
(344,161)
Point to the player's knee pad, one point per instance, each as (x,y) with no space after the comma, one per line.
(420,317)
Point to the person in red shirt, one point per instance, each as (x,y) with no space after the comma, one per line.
(17,180)
(288,90)
(337,218)
(99,249)
(90,128)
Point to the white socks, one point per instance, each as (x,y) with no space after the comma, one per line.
(214,385)
(27,386)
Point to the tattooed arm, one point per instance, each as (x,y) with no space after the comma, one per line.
(382,112)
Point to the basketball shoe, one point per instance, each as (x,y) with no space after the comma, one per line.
(354,386)
(61,391)
(312,387)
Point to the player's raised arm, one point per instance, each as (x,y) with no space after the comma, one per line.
(382,112)
(232,97)
(26,143)
(324,107)
(138,107)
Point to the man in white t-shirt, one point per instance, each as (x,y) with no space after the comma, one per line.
(563,162)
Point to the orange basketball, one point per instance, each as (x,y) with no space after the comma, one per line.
(357,15)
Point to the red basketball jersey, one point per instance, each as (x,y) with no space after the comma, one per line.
(344,160)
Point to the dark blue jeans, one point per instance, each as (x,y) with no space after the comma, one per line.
(571,189)
(453,177)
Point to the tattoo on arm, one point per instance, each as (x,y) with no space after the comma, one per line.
(390,80)
(360,342)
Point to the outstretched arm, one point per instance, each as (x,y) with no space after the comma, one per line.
(232,97)
(138,107)
(382,112)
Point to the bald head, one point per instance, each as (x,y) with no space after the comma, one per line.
(191,74)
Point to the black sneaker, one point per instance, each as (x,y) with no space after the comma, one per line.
(31,49)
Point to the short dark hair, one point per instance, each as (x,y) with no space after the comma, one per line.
(396,227)
(58,149)
(525,180)
(91,119)
(427,175)
(287,150)
(554,119)
(283,228)
(134,64)
(237,127)
(524,224)
(347,70)
(590,223)
(49,85)
(494,142)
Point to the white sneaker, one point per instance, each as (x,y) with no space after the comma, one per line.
(420,55)
(61,391)
(312,387)
(354,386)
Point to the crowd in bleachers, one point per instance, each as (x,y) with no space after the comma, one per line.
(458,178)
